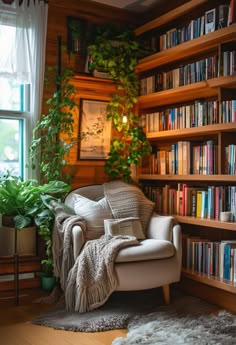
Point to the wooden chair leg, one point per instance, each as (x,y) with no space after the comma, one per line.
(166,293)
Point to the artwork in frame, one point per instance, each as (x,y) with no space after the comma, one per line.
(95,130)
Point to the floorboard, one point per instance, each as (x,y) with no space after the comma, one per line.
(16,329)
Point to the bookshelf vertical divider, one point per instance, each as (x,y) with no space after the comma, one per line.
(209,95)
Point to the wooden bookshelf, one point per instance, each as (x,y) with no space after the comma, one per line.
(218,89)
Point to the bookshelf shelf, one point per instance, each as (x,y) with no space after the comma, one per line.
(192,178)
(200,45)
(203,89)
(170,190)
(212,281)
(206,223)
(170,16)
(190,132)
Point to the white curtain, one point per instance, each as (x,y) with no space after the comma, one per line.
(24,58)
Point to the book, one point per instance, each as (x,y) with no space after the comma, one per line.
(199,204)
(234,265)
(210,20)
(226,265)
(225,253)
(231,13)
(223,15)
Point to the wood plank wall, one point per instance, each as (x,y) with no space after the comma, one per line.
(86,172)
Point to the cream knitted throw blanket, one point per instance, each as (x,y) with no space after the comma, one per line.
(127,200)
(92,278)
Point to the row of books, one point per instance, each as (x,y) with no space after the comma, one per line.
(184,200)
(184,158)
(213,19)
(213,258)
(194,72)
(188,116)
(184,75)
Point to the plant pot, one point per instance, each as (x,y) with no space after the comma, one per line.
(47,282)
(26,241)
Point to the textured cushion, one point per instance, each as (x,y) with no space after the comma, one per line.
(131,226)
(127,200)
(148,250)
(94,213)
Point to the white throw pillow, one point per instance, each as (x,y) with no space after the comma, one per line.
(131,226)
(94,213)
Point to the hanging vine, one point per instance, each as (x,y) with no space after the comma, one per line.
(117,54)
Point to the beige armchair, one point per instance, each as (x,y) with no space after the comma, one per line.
(154,263)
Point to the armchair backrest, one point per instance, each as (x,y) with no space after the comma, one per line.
(93,192)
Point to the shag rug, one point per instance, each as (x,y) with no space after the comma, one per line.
(171,328)
(187,320)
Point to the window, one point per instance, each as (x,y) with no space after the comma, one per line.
(14,98)
(23,28)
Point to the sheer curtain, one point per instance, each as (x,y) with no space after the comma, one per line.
(24,57)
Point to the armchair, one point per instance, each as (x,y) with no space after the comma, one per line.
(154,263)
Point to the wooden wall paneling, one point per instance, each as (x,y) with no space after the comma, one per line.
(87,87)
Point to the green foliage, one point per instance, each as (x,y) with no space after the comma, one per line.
(53,135)
(22,199)
(116,51)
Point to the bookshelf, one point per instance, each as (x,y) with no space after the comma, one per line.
(218,88)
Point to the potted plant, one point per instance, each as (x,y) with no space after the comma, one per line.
(21,202)
(117,51)
(45,221)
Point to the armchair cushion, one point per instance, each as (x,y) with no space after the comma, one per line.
(148,249)
(94,213)
(131,226)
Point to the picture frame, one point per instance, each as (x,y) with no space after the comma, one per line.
(94,130)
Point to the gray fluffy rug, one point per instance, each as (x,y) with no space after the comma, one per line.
(185,321)
(170,328)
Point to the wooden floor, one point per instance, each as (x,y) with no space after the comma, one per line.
(16,329)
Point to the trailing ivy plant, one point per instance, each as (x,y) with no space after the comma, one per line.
(117,53)
(54,134)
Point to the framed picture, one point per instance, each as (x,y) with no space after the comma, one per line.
(95,130)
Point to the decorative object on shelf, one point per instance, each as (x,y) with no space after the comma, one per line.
(76,35)
(225,216)
(120,60)
(95,130)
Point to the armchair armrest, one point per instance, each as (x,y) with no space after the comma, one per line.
(161,227)
(166,228)
(78,240)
